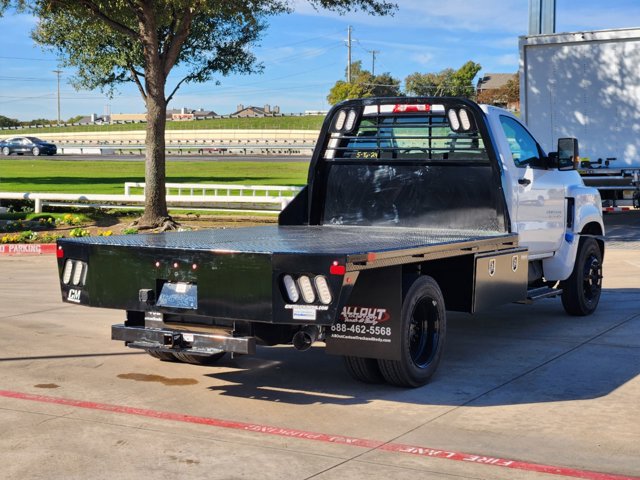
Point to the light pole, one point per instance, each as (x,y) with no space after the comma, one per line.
(58,72)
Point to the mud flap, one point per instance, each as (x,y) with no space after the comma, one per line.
(369,325)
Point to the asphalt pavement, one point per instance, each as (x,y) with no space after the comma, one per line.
(524,392)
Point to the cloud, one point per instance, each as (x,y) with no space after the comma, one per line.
(422,58)
(488,15)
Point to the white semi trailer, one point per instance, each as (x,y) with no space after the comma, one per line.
(587,85)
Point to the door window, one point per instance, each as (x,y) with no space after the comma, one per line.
(524,149)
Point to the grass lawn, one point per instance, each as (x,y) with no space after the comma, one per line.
(104,177)
(306,122)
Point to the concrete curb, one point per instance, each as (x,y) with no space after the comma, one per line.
(28,249)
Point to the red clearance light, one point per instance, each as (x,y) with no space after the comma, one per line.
(337,269)
(403,108)
(59,252)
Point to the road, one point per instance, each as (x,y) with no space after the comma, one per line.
(524,392)
(171,158)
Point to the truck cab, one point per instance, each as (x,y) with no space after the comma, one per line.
(549,205)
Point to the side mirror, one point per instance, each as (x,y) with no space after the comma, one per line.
(568,153)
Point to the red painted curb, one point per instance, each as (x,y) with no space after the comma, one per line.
(322,437)
(28,249)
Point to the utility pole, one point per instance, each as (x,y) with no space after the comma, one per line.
(58,72)
(349,54)
(542,17)
(373,61)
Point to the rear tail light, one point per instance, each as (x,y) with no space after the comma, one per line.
(322,287)
(74,272)
(307,288)
(291,289)
(78,268)
(308,295)
(68,270)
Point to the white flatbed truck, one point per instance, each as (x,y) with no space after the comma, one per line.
(414,206)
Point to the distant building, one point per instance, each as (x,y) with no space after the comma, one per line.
(128,117)
(188,114)
(492,89)
(266,111)
(94,118)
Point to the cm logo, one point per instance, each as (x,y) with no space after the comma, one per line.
(74,295)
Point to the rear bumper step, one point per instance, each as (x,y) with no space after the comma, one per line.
(180,341)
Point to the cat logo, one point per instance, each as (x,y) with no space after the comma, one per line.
(74,295)
(492,267)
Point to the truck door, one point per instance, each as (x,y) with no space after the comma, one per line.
(540,213)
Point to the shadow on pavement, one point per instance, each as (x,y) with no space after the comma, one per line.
(511,355)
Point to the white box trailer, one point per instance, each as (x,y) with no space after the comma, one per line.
(587,85)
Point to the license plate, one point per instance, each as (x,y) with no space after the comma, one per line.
(179,295)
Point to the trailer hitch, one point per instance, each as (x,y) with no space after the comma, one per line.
(172,340)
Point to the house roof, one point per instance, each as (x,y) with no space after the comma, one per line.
(492,81)
(198,113)
(258,110)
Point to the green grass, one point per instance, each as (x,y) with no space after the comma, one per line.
(307,122)
(105,177)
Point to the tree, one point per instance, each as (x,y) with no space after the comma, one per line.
(8,122)
(110,42)
(507,94)
(364,84)
(458,83)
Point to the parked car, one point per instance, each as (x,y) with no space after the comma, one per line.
(22,145)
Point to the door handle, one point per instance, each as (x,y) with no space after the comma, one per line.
(524,181)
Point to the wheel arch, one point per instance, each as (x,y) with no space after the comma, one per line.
(595,230)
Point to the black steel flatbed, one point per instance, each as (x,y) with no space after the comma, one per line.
(360,246)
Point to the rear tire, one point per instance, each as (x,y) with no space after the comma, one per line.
(423,331)
(164,356)
(581,291)
(5,151)
(35,151)
(364,370)
(199,359)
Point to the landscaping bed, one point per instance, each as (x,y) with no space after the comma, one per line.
(27,228)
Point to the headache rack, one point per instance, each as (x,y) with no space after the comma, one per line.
(427,132)
(416,163)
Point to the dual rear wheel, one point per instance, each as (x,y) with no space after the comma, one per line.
(423,332)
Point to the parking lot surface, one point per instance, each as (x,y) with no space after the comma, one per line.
(524,392)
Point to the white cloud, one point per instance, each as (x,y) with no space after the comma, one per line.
(488,15)
(422,58)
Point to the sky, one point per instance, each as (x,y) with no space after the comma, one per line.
(305,53)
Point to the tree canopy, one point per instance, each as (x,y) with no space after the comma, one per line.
(110,42)
(449,82)
(507,94)
(364,84)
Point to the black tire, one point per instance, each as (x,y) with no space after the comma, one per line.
(364,370)
(5,151)
(581,291)
(424,329)
(35,151)
(199,359)
(164,356)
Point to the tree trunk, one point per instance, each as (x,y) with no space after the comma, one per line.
(155,204)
